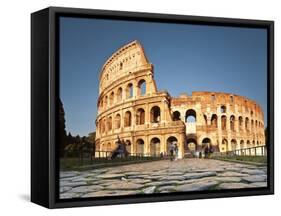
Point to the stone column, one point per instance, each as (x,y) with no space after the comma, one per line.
(146,145)
(162,144)
(182,115)
(147,115)
(135,89)
(181,146)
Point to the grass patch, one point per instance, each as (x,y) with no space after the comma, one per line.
(86,164)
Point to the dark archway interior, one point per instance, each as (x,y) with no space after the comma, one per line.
(176,116)
(190,116)
(191,145)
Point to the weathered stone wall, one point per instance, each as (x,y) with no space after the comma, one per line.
(131,107)
(227,121)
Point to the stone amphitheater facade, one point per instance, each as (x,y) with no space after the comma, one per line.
(131,107)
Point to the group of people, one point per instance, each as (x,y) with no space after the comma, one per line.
(121,150)
(174,151)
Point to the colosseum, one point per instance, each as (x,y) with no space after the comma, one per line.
(131,107)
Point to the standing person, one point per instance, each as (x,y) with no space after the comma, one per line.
(176,151)
(171,148)
(206,152)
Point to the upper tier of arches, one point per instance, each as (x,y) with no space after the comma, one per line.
(127,60)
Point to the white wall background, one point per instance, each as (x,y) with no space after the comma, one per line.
(15,106)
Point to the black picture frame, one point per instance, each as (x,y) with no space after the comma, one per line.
(44,105)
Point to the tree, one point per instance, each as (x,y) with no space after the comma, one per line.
(92,141)
(61,129)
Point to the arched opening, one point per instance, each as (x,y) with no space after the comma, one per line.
(119,94)
(191,145)
(140,117)
(109,123)
(248,144)
(214,121)
(171,140)
(190,116)
(117,121)
(231,99)
(103,125)
(176,116)
(242,144)
(155,114)
(223,122)
(111,99)
(101,104)
(247,123)
(206,142)
(99,126)
(102,147)
(142,87)
(223,109)
(252,124)
(233,144)
(128,146)
(155,147)
(253,143)
(105,102)
(108,147)
(140,147)
(224,146)
(128,119)
(240,123)
(232,123)
(129,90)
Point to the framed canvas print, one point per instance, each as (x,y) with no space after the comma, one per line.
(139,107)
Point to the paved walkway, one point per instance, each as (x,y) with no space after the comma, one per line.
(161,177)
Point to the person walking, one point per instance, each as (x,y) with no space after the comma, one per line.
(171,149)
(206,152)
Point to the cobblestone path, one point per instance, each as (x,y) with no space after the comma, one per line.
(161,177)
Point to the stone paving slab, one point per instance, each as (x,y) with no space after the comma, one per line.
(161,177)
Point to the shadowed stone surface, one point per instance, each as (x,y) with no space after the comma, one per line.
(204,185)
(255,178)
(199,175)
(124,186)
(161,177)
(235,185)
(232,174)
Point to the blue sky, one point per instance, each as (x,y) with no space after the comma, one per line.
(186,58)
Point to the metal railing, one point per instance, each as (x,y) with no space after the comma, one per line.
(251,151)
(108,154)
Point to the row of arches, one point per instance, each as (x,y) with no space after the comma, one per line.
(226,145)
(123,93)
(109,123)
(190,117)
(139,147)
(234,145)
(223,109)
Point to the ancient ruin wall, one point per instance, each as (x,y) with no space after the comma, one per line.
(227,121)
(131,107)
